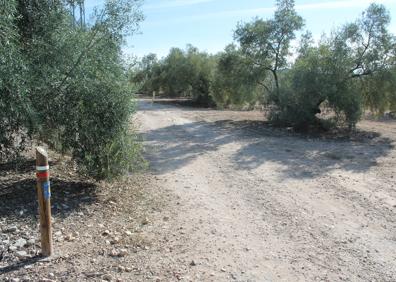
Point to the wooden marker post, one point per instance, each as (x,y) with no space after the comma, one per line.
(44,200)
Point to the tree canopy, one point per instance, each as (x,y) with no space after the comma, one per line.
(347,71)
(65,83)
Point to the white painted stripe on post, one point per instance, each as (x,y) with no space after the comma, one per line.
(42,168)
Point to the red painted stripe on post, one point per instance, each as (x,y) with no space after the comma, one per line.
(42,174)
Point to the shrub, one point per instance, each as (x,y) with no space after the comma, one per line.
(76,84)
(180,74)
(315,79)
(348,70)
(15,109)
(235,80)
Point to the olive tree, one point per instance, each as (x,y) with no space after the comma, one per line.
(78,70)
(16,112)
(235,80)
(266,43)
(371,50)
(147,74)
(348,70)
(182,73)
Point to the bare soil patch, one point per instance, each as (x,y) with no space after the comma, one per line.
(226,198)
(264,204)
(99,227)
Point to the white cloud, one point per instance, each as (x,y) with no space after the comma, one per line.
(340,4)
(337,4)
(175,3)
(209,16)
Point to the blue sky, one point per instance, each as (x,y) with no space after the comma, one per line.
(209,24)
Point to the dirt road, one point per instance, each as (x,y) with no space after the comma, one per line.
(226,198)
(257,204)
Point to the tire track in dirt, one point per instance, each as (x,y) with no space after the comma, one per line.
(254,207)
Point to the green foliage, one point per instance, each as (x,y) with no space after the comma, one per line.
(180,74)
(175,74)
(200,76)
(235,81)
(391,91)
(266,43)
(379,91)
(347,71)
(147,75)
(352,69)
(316,79)
(15,110)
(76,84)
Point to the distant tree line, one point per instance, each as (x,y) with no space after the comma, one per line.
(63,81)
(183,73)
(352,69)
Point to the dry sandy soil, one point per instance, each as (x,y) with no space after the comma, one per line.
(226,198)
(257,204)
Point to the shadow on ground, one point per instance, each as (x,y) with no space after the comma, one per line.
(257,143)
(170,104)
(22,264)
(18,196)
(21,166)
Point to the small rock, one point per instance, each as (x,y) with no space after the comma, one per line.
(21,254)
(107,277)
(106,233)
(20,243)
(129,233)
(193,263)
(145,221)
(70,238)
(123,253)
(128,269)
(114,253)
(93,274)
(121,268)
(12,248)
(31,242)
(11,229)
(15,280)
(115,240)
(58,233)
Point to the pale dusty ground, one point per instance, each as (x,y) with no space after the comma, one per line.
(258,204)
(226,198)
